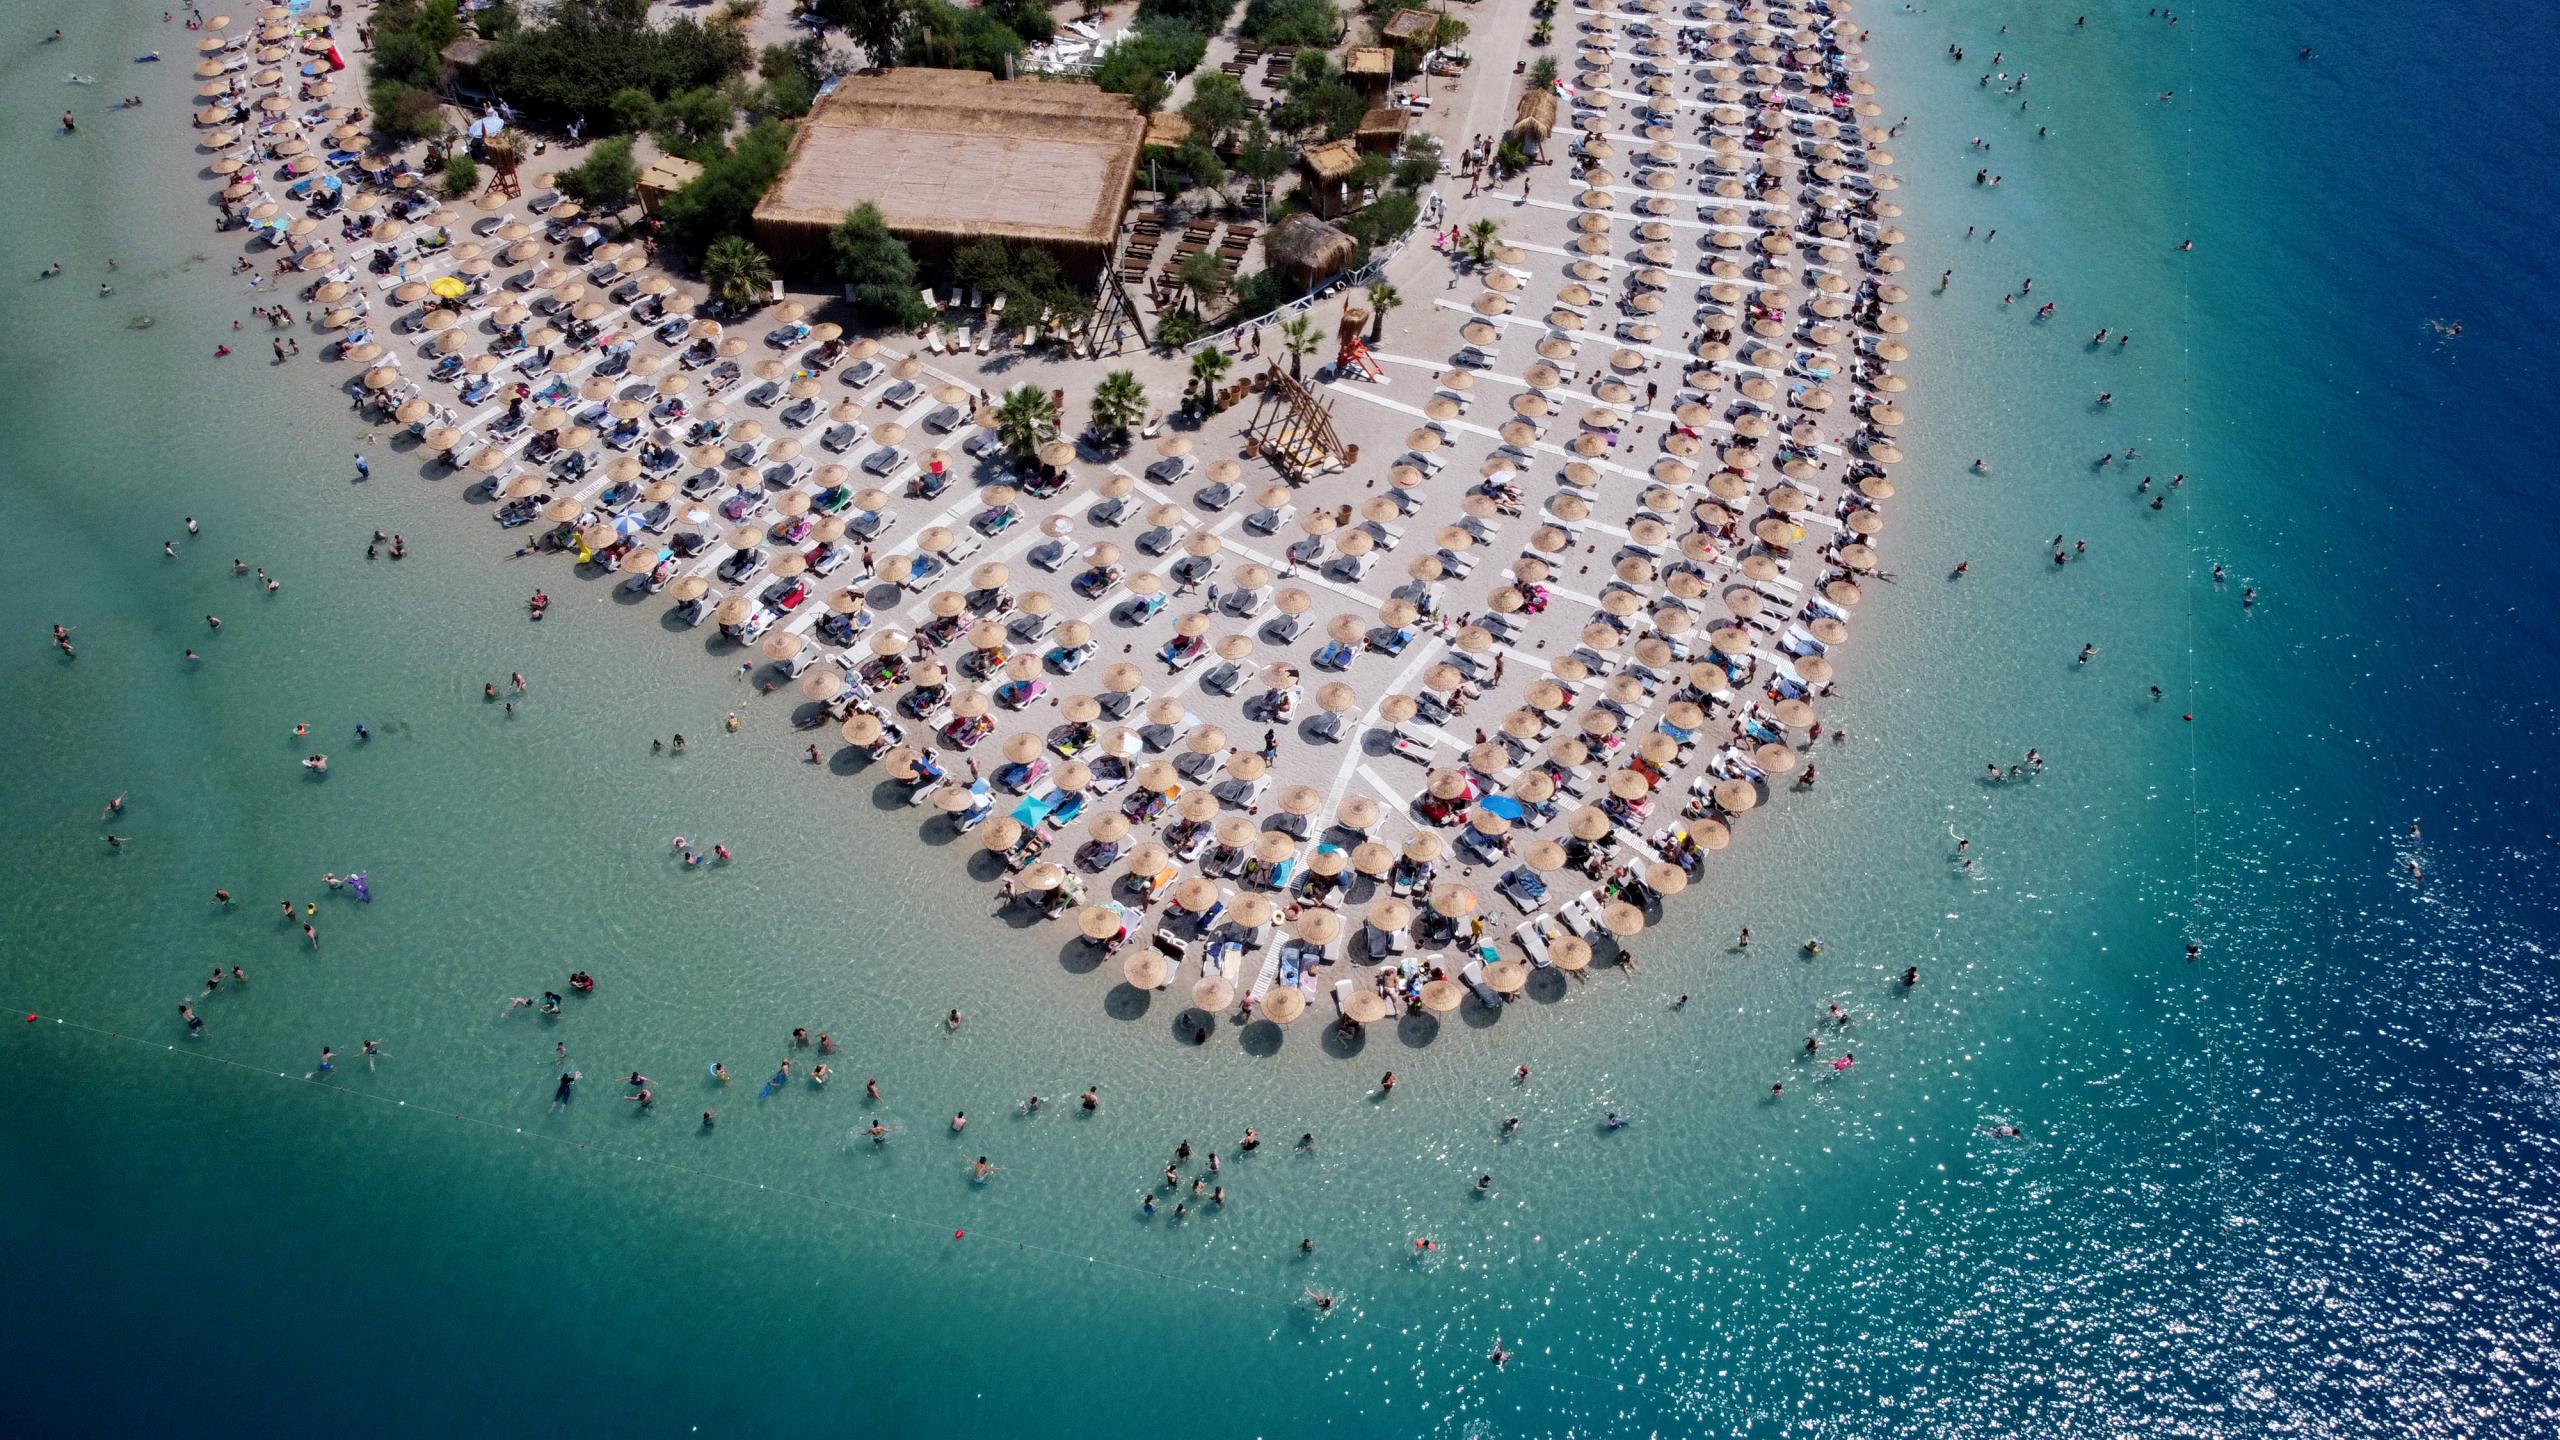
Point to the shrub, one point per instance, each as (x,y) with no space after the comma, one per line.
(1136,66)
(605,180)
(1291,22)
(694,123)
(588,53)
(1385,219)
(722,200)
(1201,17)
(950,38)
(461,175)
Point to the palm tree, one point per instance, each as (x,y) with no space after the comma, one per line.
(1119,403)
(1300,337)
(1209,365)
(740,275)
(1026,419)
(1382,298)
(1481,238)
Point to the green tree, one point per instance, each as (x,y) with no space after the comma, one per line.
(605,180)
(1200,162)
(1207,17)
(1209,366)
(792,74)
(1029,19)
(722,199)
(1300,337)
(878,26)
(1481,239)
(1262,159)
(585,53)
(1203,277)
(1026,419)
(1137,65)
(876,267)
(947,37)
(1317,99)
(1291,22)
(1178,329)
(1119,403)
(1542,74)
(739,274)
(694,123)
(1218,107)
(632,111)
(1372,172)
(1383,297)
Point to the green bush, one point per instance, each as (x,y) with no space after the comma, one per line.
(1026,18)
(949,38)
(1027,275)
(1201,17)
(1259,294)
(1318,101)
(1418,165)
(406,113)
(589,52)
(605,180)
(1136,66)
(1384,219)
(461,175)
(632,111)
(722,200)
(1218,107)
(693,124)
(792,75)
(1291,22)
(875,25)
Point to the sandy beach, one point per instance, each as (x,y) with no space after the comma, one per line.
(1412,733)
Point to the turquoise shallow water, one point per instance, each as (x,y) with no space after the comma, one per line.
(2301,1185)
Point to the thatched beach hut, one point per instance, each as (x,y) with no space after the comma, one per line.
(1329,168)
(1307,249)
(1535,121)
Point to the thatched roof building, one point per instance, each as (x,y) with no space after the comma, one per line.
(1410,28)
(952,156)
(1371,68)
(1306,249)
(1382,129)
(1329,168)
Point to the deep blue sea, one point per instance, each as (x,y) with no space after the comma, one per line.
(2306,1184)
